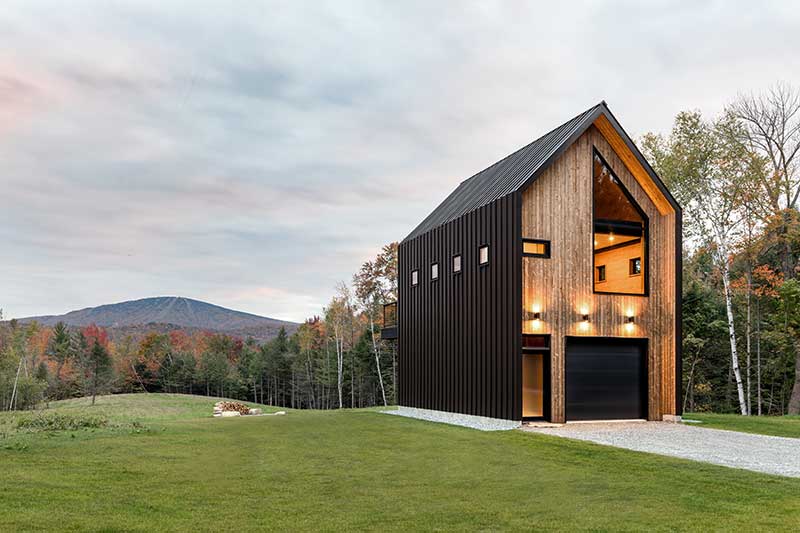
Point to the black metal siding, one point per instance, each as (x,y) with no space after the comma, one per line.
(459,337)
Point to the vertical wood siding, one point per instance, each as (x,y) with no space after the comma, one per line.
(558,207)
(459,337)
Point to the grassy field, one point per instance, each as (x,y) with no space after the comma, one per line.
(163,464)
(780,426)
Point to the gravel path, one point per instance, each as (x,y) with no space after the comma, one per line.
(468,421)
(760,453)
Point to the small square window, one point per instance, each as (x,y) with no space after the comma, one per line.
(601,273)
(414,277)
(434,271)
(535,248)
(483,255)
(635,266)
(456,264)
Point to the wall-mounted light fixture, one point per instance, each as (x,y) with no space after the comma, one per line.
(629,322)
(583,312)
(537,316)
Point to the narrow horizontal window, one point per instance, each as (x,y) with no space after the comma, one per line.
(535,248)
(414,277)
(434,271)
(601,273)
(635,266)
(483,255)
(456,264)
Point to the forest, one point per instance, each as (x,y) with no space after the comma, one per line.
(333,361)
(735,174)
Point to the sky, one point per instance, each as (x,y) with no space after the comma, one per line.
(253,154)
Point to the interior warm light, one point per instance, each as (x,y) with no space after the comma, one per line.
(610,237)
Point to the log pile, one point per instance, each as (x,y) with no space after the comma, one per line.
(233,409)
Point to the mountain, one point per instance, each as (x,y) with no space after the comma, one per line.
(168,313)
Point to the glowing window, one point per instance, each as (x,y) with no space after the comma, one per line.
(456,264)
(620,235)
(535,248)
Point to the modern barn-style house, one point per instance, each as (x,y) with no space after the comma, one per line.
(547,286)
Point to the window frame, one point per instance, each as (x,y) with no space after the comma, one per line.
(460,264)
(414,274)
(546,243)
(488,255)
(436,266)
(632,261)
(645,233)
(598,270)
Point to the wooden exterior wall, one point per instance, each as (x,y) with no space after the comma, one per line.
(459,337)
(558,207)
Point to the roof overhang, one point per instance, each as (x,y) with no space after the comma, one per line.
(623,145)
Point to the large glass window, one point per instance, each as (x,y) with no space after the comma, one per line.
(620,235)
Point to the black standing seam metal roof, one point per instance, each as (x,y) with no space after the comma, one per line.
(513,172)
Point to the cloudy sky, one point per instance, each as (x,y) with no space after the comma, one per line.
(252,154)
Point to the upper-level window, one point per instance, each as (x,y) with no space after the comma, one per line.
(601,273)
(620,235)
(456,264)
(483,255)
(414,277)
(635,266)
(535,248)
(434,271)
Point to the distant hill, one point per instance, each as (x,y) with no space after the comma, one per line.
(169,313)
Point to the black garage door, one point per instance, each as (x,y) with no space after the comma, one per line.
(606,379)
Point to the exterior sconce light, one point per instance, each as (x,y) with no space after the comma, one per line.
(537,315)
(629,323)
(585,317)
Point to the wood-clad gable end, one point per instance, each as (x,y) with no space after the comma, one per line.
(558,207)
(459,336)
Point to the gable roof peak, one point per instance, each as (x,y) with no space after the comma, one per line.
(515,171)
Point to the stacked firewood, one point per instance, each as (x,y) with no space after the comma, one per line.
(227,407)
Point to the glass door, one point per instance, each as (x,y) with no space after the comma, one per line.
(536,376)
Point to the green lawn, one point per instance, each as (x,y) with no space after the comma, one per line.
(178,469)
(780,426)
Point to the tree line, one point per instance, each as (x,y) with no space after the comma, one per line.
(333,361)
(736,176)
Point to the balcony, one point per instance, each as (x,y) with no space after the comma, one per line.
(389,330)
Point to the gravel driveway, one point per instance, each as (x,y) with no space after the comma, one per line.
(761,453)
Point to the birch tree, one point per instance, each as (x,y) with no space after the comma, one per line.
(709,170)
(769,125)
(369,295)
(339,320)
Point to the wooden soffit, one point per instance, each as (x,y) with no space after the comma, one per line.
(634,166)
